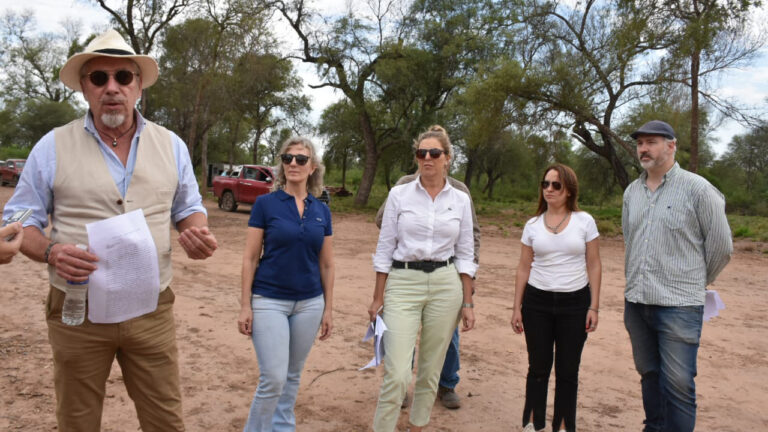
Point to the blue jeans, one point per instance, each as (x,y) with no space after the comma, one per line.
(283,334)
(449,376)
(665,342)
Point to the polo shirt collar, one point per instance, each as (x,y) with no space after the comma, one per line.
(282,195)
(445,187)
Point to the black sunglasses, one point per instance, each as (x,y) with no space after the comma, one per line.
(434,153)
(556,185)
(300,158)
(100,78)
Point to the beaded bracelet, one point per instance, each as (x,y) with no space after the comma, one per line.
(47,253)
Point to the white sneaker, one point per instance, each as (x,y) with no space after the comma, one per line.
(529,428)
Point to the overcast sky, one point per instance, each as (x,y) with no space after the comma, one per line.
(748,86)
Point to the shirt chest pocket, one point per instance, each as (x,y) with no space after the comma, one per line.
(674,218)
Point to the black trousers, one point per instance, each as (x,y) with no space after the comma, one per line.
(553,320)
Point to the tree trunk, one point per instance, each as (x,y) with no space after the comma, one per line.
(470,168)
(344,170)
(256,140)
(607,151)
(204,163)
(193,122)
(371,160)
(693,162)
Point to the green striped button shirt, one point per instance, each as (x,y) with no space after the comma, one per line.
(677,239)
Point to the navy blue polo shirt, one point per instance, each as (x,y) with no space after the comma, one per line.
(289,268)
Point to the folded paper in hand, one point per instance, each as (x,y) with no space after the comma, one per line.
(712,305)
(376,331)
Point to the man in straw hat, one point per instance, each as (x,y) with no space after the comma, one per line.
(677,241)
(111,162)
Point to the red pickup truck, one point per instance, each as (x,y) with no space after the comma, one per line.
(251,182)
(11,171)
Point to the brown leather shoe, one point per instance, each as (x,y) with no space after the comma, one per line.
(448,398)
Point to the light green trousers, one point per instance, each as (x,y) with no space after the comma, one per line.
(412,300)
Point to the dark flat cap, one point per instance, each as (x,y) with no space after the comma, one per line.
(655,127)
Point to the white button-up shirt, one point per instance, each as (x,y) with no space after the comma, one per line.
(416,228)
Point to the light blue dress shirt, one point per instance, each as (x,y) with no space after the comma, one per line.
(35,188)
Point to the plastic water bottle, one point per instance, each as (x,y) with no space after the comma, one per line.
(73,312)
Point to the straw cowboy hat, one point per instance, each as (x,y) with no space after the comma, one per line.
(108,44)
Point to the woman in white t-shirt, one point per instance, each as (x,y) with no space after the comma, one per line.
(557,292)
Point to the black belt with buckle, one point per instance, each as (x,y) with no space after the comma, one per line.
(425,266)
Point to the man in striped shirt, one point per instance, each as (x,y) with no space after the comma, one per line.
(677,241)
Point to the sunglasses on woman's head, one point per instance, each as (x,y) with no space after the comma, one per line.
(100,78)
(434,153)
(300,158)
(556,185)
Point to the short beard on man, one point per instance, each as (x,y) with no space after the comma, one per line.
(112,121)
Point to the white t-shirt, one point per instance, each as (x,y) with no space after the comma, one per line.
(559,260)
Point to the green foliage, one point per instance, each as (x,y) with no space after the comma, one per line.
(14,152)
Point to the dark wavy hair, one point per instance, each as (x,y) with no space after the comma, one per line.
(570,183)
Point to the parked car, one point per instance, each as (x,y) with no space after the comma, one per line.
(11,171)
(249,183)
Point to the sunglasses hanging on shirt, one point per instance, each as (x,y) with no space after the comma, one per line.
(556,185)
(300,159)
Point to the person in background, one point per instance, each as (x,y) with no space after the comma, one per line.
(677,241)
(557,297)
(424,265)
(9,248)
(449,375)
(286,291)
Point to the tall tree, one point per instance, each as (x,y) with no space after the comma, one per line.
(712,35)
(584,63)
(382,58)
(31,61)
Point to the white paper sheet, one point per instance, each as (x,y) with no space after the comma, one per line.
(376,331)
(712,305)
(126,283)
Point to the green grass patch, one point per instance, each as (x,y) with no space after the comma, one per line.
(749,227)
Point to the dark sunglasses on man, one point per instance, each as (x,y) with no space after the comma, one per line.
(434,153)
(100,78)
(556,185)
(300,159)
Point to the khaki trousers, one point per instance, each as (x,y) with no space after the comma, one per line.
(414,299)
(145,348)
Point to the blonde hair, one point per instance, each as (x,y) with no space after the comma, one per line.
(436,132)
(315,180)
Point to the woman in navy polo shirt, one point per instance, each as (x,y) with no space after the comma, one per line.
(287,292)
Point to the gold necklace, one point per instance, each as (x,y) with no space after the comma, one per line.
(114,139)
(557,227)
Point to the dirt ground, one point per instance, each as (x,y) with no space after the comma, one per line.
(219,369)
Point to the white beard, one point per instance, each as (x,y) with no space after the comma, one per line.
(112,121)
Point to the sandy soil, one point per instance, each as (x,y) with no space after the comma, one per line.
(219,369)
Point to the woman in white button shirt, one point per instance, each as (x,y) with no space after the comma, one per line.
(557,292)
(424,266)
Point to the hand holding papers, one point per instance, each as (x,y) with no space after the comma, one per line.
(126,283)
(712,305)
(376,331)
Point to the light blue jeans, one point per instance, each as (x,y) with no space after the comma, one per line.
(283,334)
